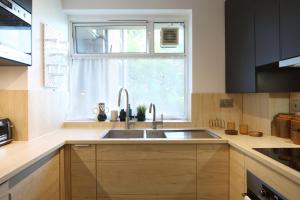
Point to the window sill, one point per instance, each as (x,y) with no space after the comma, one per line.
(118,124)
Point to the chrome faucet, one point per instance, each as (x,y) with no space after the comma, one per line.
(127,124)
(154,122)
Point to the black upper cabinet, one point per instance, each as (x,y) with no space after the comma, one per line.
(240,46)
(267,32)
(26,4)
(290,28)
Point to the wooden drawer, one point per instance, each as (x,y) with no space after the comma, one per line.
(146,152)
(212,171)
(167,170)
(83,153)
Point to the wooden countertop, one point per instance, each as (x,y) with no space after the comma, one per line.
(17,156)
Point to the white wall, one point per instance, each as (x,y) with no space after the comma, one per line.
(208,34)
(46,107)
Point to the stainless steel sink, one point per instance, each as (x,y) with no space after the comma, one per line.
(124,134)
(155,134)
(189,134)
(159,134)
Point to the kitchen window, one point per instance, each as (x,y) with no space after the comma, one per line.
(110,55)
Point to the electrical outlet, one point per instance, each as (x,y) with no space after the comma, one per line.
(295,106)
(226,103)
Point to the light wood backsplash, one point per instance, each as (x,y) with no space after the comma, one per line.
(255,109)
(260,108)
(206,106)
(14,105)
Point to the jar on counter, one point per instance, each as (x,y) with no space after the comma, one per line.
(283,125)
(295,129)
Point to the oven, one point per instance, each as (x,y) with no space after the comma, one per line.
(258,190)
(15,34)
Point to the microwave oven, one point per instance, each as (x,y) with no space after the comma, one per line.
(15,34)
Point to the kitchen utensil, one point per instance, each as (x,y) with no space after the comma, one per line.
(231,132)
(256,134)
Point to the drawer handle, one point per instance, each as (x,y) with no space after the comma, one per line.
(82,145)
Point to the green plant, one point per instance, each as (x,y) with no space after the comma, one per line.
(141,112)
(141,109)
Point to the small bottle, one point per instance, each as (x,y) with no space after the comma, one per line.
(130,112)
(122,115)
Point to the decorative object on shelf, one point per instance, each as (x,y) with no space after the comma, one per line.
(114,115)
(243,129)
(102,112)
(56,59)
(122,115)
(141,113)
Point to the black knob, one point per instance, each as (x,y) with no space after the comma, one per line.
(263,192)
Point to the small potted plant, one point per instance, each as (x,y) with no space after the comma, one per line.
(141,113)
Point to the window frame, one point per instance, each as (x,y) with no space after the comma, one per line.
(150,52)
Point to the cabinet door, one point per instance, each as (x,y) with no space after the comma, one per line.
(4,191)
(212,171)
(146,172)
(83,172)
(240,46)
(237,174)
(267,31)
(289,28)
(39,181)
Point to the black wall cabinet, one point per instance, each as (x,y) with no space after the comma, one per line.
(26,4)
(290,28)
(240,49)
(260,33)
(267,31)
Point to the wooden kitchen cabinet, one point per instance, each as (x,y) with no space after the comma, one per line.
(289,28)
(83,172)
(4,194)
(237,174)
(146,172)
(212,171)
(39,181)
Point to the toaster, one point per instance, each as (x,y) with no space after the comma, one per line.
(5,131)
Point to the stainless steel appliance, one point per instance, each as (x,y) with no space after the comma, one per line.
(5,131)
(258,190)
(15,34)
